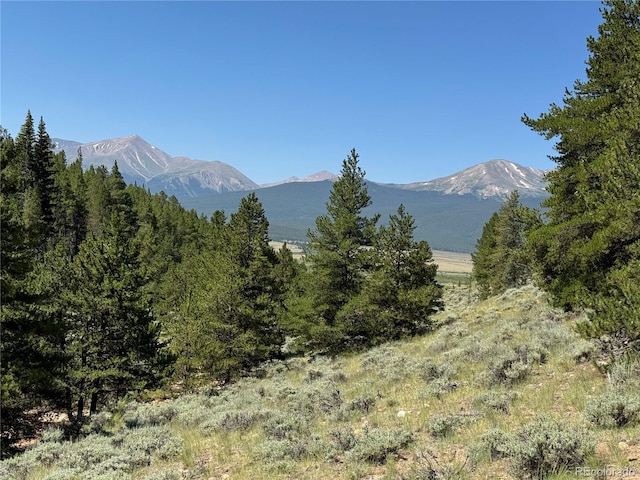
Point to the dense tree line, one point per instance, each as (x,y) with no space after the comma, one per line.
(587,253)
(108,290)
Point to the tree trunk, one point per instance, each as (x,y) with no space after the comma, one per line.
(94,403)
(80,410)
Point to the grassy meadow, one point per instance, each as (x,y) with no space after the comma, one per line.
(503,389)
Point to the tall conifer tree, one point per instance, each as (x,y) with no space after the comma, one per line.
(338,255)
(589,253)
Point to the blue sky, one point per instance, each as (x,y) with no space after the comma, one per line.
(276,89)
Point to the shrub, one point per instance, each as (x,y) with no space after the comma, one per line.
(432,371)
(309,446)
(624,374)
(428,466)
(388,363)
(439,387)
(547,446)
(148,442)
(612,409)
(141,415)
(52,434)
(87,454)
(440,426)
(375,445)
(321,396)
(163,475)
(496,401)
(359,405)
(497,443)
(514,365)
(281,427)
(363,403)
(343,438)
(234,420)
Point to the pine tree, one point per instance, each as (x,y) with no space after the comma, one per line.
(259,292)
(482,258)
(31,332)
(338,253)
(225,300)
(590,248)
(400,294)
(501,260)
(113,341)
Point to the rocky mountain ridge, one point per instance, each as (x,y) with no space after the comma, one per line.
(495,178)
(147,165)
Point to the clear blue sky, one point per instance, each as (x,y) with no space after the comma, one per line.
(276,89)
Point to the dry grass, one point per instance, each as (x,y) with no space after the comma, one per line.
(406,410)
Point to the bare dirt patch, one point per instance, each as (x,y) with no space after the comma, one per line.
(453,261)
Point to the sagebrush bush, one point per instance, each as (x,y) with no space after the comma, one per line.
(495,401)
(99,421)
(427,466)
(613,409)
(624,374)
(430,370)
(147,414)
(149,442)
(232,420)
(96,456)
(359,405)
(321,396)
(514,365)
(440,426)
(343,438)
(302,447)
(496,443)
(163,475)
(52,434)
(282,426)
(375,445)
(389,363)
(546,446)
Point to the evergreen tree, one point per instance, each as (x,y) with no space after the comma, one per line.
(113,340)
(400,294)
(30,332)
(338,252)
(259,293)
(43,174)
(589,252)
(225,300)
(482,258)
(69,208)
(501,260)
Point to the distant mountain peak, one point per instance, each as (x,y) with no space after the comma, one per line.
(147,165)
(315,177)
(494,178)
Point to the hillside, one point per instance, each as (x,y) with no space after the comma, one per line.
(467,401)
(447,222)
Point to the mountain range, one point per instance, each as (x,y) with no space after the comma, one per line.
(142,163)
(449,212)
